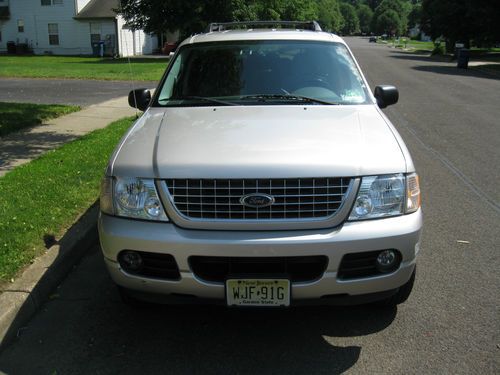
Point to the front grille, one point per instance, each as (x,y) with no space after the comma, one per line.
(304,198)
(297,269)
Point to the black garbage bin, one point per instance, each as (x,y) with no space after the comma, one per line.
(463,58)
(96,49)
(11,47)
(22,48)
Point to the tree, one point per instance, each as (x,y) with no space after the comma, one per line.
(351,21)
(365,15)
(461,20)
(415,15)
(388,22)
(192,16)
(398,10)
(188,16)
(329,15)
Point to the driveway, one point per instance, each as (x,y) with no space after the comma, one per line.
(65,91)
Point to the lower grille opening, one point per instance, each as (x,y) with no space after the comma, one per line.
(359,265)
(298,269)
(153,265)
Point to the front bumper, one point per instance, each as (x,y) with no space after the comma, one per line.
(401,233)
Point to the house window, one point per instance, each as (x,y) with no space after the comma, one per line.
(20,26)
(53,34)
(51,2)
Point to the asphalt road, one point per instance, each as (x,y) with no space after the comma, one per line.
(450,122)
(65,91)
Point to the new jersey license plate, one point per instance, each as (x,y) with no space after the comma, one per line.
(258,292)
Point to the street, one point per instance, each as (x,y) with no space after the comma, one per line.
(65,91)
(450,121)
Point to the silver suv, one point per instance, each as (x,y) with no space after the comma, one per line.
(262,173)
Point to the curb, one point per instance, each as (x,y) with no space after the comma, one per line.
(20,300)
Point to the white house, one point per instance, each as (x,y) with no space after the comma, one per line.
(70,27)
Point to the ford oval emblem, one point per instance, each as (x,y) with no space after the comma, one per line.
(257,200)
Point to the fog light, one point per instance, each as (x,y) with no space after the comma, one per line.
(130,261)
(387,261)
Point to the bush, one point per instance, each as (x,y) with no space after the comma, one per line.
(439,49)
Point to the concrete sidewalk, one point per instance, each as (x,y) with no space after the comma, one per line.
(23,146)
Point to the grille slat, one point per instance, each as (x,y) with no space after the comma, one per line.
(295,199)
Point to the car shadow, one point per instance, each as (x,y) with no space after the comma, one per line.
(296,340)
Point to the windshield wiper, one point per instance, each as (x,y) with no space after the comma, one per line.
(300,98)
(203,98)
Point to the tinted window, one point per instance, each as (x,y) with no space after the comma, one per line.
(232,70)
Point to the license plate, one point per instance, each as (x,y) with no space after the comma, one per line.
(258,292)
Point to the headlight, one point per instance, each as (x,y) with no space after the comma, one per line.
(384,196)
(131,197)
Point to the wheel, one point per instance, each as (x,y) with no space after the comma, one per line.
(401,295)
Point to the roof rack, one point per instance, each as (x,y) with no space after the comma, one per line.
(221,26)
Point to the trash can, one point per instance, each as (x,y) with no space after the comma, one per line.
(96,49)
(101,48)
(463,58)
(22,49)
(11,47)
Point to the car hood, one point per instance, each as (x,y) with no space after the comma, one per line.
(259,142)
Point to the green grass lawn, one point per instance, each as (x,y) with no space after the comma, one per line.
(45,196)
(420,46)
(143,69)
(15,116)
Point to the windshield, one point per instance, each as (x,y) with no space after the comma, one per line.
(262,72)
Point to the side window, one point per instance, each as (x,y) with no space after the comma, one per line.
(53,34)
(20,26)
(169,85)
(46,2)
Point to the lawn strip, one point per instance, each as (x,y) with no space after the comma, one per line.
(45,196)
(16,116)
(140,69)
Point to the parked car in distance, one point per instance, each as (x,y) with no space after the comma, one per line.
(373,39)
(262,173)
(168,48)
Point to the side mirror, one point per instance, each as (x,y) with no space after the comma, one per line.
(386,95)
(139,99)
